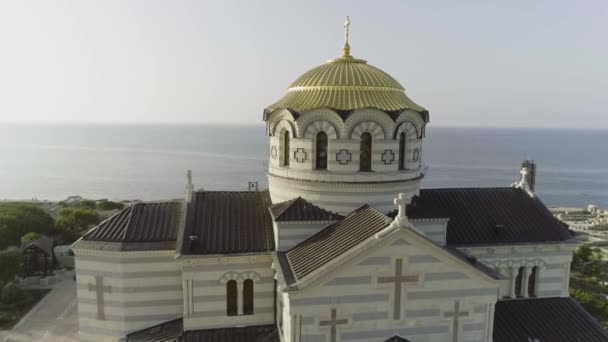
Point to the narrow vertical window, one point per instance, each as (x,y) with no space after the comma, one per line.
(365,158)
(286,148)
(518,281)
(231,298)
(402,151)
(248,297)
(532,282)
(321,160)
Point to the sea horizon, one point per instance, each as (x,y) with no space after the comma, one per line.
(148,161)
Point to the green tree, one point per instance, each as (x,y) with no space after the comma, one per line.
(104,204)
(90,204)
(76,219)
(11,264)
(29,237)
(17,219)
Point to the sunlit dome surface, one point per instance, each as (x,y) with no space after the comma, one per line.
(346,83)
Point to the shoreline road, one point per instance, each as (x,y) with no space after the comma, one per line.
(53,319)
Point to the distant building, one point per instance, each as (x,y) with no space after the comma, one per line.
(343,246)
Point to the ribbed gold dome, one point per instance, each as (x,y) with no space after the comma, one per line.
(346,83)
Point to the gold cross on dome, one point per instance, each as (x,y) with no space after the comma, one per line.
(346,48)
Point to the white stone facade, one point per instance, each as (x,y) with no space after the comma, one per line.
(342,186)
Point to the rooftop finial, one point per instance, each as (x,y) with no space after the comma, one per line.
(346,48)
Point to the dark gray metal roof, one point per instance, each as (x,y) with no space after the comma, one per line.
(256,333)
(335,239)
(221,222)
(44,243)
(486,216)
(299,209)
(545,320)
(140,222)
(165,332)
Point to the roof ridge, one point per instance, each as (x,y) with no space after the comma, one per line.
(123,235)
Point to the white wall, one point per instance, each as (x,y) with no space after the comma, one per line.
(144,290)
(553,261)
(204,281)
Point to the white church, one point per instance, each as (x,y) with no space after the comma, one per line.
(344,245)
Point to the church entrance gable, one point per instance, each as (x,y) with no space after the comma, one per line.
(404,285)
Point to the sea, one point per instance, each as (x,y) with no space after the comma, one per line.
(51,161)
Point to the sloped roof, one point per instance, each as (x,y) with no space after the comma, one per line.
(222,222)
(299,209)
(334,240)
(545,320)
(140,222)
(256,333)
(483,216)
(165,332)
(44,243)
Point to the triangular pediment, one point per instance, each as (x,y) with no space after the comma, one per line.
(385,247)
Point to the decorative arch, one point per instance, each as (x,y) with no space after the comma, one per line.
(226,277)
(321,114)
(315,127)
(250,275)
(413,118)
(369,115)
(284,124)
(408,128)
(277,116)
(370,127)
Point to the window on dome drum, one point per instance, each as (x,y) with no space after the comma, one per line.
(402,152)
(365,157)
(532,282)
(285,148)
(231,298)
(248,297)
(518,279)
(321,157)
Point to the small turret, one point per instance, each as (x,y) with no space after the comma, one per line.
(528,177)
(189,186)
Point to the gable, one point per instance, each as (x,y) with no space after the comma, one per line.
(403,285)
(436,265)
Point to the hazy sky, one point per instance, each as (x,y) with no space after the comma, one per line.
(470,63)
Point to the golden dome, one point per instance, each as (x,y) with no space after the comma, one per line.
(346,83)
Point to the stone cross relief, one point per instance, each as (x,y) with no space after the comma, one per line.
(388,157)
(299,155)
(399,279)
(455,316)
(100,289)
(333,324)
(343,157)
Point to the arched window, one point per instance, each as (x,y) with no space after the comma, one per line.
(402,151)
(365,157)
(248,297)
(286,148)
(518,279)
(321,160)
(532,282)
(231,298)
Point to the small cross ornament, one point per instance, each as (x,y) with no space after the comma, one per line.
(343,157)
(401,202)
(300,155)
(388,157)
